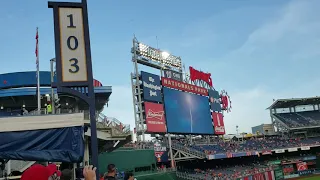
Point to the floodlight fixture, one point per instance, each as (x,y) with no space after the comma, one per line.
(158,56)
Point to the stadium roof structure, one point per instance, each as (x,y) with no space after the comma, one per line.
(286,103)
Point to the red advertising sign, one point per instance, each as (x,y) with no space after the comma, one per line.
(184,86)
(266,152)
(218,123)
(199,75)
(155,119)
(302,166)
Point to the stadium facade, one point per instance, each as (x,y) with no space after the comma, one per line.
(18,99)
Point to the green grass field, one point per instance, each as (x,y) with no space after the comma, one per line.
(311,178)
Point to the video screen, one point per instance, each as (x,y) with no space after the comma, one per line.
(187,113)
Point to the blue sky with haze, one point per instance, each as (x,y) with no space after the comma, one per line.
(256,50)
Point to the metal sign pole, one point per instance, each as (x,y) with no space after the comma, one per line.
(52,90)
(73,59)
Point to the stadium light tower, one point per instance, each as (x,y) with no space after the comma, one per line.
(189,103)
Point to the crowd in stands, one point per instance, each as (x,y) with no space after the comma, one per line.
(237,170)
(300,119)
(252,144)
(229,171)
(140,145)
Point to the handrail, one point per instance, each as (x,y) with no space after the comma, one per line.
(100,118)
(188,150)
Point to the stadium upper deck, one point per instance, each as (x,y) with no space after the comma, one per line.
(18,90)
(295,114)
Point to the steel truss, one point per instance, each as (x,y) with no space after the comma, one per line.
(179,155)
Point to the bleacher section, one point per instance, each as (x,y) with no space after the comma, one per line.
(250,147)
(300,119)
(296,113)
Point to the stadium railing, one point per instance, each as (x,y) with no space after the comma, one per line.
(189,150)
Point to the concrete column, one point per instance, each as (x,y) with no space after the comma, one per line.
(8,167)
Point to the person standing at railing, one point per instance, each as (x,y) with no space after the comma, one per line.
(24,111)
(49,108)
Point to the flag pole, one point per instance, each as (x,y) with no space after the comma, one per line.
(38,73)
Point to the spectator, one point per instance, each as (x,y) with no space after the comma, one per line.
(66,174)
(111,174)
(89,173)
(128,176)
(37,172)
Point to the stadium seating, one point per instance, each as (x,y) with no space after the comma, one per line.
(237,171)
(300,119)
(253,144)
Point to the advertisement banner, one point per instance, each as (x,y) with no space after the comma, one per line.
(292,149)
(278,173)
(161,152)
(151,87)
(214,99)
(302,166)
(173,75)
(239,154)
(210,156)
(187,113)
(288,169)
(219,156)
(306,172)
(279,151)
(305,148)
(308,158)
(276,162)
(218,123)
(258,176)
(229,155)
(291,176)
(155,119)
(266,152)
(171,83)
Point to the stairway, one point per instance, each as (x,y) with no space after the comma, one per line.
(188,150)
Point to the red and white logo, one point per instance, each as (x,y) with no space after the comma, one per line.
(218,123)
(155,118)
(302,166)
(157,115)
(225,101)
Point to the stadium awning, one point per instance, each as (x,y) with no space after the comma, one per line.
(55,138)
(286,103)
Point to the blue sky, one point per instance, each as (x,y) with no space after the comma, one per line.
(256,50)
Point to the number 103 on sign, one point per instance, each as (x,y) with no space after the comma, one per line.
(72,45)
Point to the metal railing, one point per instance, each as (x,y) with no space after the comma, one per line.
(188,150)
(20,165)
(114,123)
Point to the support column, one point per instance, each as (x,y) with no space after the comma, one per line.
(170,151)
(8,167)
(86,151)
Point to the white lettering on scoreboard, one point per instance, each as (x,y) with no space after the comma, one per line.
(72,45)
